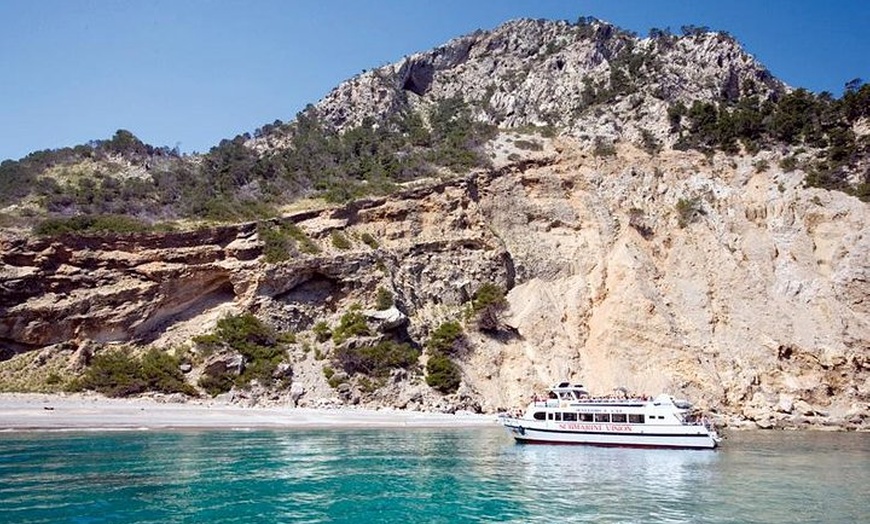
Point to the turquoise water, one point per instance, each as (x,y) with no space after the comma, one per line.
(425,475)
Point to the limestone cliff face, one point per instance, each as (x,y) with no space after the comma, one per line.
(757,305)
(752,302)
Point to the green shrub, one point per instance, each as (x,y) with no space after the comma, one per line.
(113,374)
(331,378)
(649,142)
(528,145)
(261,347)
(352,324)
(603,148)
(761,166)
(457,136)
(788,164)
(376,360)
(369,240)
(321,331)
(223,208)
(488,304)
(91,225)
(442,374)
(447,339)
(688,209)
(279,240)
(303,242)
(384,299)
(276,243)
(244,333)
(261,365)
(368,385)
(207,344)
(161,372)
(117,374)
(339,241)
(216,384)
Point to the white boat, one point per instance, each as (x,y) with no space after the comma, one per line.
(571,416)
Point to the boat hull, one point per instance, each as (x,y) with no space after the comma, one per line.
(682,437)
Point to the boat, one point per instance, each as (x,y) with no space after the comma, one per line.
(569,415)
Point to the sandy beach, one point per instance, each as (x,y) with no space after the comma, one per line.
(31,411)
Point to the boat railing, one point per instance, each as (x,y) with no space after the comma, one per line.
(555,403)
(613,400)
(698,419)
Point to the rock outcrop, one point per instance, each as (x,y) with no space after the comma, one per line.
(553,73)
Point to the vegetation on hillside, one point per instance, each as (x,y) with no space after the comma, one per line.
(358,349)
(446,343)
(376,360)
(91,225)
(282,239)
(260,346)
(119,374)
(487,306)
(233,181)
(820,124)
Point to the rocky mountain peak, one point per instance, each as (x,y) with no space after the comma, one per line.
(589,78)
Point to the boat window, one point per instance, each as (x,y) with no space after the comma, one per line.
(558,416)
(618,417)
(636,419)
(602,417)
(539,415)
(586,417)
(569,417)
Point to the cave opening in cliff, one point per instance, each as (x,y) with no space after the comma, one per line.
(316,289)
(418,78)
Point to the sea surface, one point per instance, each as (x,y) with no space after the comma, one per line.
(425,475)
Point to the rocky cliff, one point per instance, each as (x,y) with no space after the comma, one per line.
(754,304)
(721,278)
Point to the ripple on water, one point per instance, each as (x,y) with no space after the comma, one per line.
(414,475)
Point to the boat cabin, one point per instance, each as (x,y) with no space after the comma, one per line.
(568,402)
(567,392)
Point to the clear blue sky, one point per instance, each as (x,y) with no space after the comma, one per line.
(191,72)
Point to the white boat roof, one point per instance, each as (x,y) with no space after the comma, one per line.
(567,390)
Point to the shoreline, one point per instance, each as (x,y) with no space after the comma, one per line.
(30,412)
(53,412)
